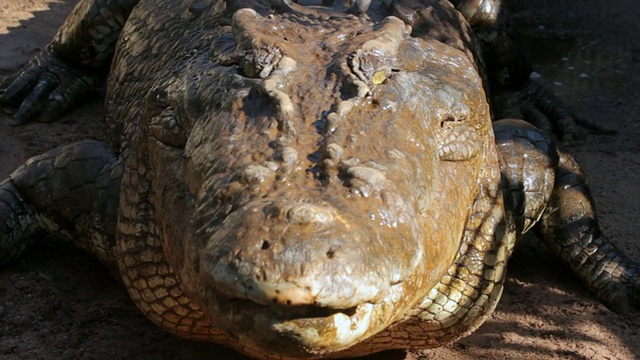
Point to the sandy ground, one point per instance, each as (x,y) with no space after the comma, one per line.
(57,303)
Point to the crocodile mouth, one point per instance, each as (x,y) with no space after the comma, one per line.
(295,331)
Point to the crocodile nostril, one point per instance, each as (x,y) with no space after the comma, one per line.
(304,214)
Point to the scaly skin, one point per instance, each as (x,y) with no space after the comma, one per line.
(73,64)
(304,182)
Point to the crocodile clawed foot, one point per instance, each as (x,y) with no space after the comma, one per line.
(540,107)
(45,88)
(593,128)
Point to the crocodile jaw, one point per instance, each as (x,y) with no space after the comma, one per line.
(301,332)
(347,329)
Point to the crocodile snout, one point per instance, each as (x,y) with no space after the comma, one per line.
(285,274)
(295,255)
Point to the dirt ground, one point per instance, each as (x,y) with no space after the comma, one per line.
(58,303)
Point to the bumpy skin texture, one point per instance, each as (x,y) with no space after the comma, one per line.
(301,181)
(71,66)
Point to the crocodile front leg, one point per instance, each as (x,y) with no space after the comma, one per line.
(549,193)
(71,191)
(513,93)
(18,223)
(75,62)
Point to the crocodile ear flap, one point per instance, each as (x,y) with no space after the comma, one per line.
(167,129)
(458,140)
(164,124)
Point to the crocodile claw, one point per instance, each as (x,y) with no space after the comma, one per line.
(540,107)
(45,88)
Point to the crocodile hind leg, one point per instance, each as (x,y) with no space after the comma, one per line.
(71,191)
(569,226)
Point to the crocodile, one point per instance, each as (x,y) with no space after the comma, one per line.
(302,181)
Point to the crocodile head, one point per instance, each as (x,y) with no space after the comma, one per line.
(313,178)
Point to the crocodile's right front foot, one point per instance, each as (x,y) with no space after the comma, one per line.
(45,88)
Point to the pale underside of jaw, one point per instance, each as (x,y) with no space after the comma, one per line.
(343,328)
(332,333)
(306,330)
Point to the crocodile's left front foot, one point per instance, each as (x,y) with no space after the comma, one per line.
(540,107)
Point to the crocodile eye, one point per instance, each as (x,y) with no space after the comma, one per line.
(166,128)
(458,139)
